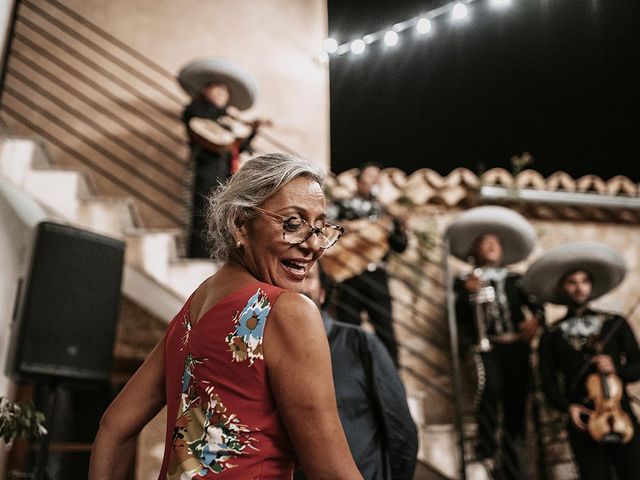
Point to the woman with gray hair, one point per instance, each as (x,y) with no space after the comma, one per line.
(244,367)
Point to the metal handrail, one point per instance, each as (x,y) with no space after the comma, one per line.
(104,53)
(113,40)
(87,81)
(115,139)
(88,141)
(107,74)
(93,165)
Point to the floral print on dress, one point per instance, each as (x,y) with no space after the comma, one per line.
(186,324)
(245,342)
(206,437)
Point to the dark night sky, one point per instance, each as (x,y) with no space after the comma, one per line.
(557,78)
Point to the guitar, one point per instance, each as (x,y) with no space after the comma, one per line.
(226,130)
(365,242)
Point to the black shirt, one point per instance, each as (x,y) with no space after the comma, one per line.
(566,349)
(372,404)
(510,309)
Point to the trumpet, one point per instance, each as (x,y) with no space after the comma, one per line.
(482,300)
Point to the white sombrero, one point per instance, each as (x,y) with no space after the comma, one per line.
(243,87)
(605,265)
(516,234)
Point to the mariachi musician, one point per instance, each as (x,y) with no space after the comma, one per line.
(216,137)
(496,321)
(587,357)
(361,266)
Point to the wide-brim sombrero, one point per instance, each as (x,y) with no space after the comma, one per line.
(605,265)
(243,88)
(516,234)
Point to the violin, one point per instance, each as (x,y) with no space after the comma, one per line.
(608,423)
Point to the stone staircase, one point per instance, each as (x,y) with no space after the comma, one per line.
(154,276)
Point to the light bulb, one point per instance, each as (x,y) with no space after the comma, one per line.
(390,38)
(459,11)
(330,45)
(358,46)
(423,25)
(500,3)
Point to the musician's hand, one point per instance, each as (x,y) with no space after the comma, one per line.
(529,328)
(604,363)
(261,122)
(472,284)
(575,412)
(399,224)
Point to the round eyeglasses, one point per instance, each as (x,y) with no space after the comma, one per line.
(296,230)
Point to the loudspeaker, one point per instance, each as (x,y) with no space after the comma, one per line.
(66,314)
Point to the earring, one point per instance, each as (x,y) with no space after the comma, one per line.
(238,244)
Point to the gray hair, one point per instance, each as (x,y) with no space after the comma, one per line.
(231,204)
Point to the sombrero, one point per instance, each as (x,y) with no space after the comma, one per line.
(606,266)
(243,87)
(516,234)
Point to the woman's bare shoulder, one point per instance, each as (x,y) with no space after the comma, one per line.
(292,303)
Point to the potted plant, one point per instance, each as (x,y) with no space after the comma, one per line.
(20,420)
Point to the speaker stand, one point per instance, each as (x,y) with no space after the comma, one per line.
(49,391)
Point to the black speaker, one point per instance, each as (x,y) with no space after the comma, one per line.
(65,319)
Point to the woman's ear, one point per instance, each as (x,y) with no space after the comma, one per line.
(240,233)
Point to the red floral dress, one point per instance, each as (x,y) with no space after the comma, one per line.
(222,419)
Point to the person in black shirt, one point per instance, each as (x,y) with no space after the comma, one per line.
(496,321)
(369,290)
(371,399)
(584,341)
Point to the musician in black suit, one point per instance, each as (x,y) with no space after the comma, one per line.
(369,291)
(496,321)
(585,341)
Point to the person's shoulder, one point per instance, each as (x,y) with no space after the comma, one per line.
(605,314)
(608,316)
(357,331)
(351,330)
(514,276)
(348,327)
(291,305)
(552,329)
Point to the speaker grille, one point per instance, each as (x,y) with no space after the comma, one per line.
(67,319)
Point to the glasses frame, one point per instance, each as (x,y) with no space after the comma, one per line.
(317,230)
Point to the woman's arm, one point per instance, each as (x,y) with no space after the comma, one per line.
(298,361)
(139,401)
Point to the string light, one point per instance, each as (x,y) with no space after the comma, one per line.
(500,3)
(422,24)
(390,38)
(459,11)
(358,46)
(331,45)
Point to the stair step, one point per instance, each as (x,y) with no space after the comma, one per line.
(439,449)
(16,158)
(106,215)
(187,275)
(64,198)
(151,251)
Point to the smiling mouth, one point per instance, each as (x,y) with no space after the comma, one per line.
(296,269)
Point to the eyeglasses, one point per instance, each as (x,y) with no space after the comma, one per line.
(296,230)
